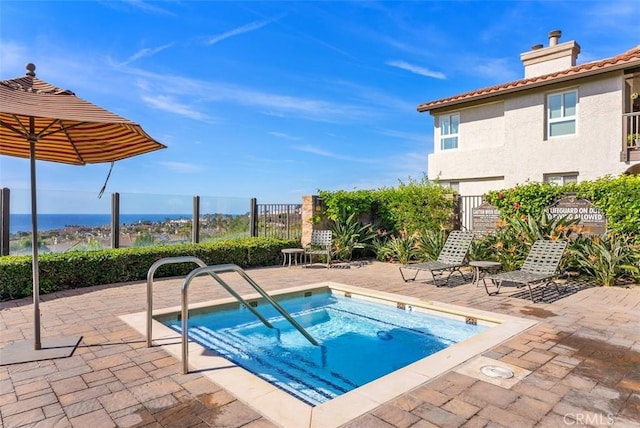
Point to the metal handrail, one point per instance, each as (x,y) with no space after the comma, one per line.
(187,259)
(150,274)
(213,271)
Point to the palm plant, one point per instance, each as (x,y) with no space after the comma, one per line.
(379,247)
(482,248)
(606,257)
(350,234)
(429,244)
(543,226)
(509,250)
(401,248)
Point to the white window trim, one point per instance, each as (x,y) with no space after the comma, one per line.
(444,136)
(563,177)
(563,118)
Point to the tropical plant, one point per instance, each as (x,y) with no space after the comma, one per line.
(429,244)
(401,248)
(482,248)
(606,258)
(542,226)
(350,234)
(508,249)
(379,247)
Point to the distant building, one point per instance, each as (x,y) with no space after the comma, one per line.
(561,123)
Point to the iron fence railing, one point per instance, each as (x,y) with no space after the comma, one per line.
(283,221)
(630,136)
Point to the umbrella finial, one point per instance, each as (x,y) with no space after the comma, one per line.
(31,70)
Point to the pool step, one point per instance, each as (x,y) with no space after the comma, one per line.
(299,377)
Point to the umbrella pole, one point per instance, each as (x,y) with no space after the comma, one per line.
(37,345)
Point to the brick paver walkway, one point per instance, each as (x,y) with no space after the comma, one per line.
(584,358)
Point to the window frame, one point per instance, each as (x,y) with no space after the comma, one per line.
(564,117)
(572,176)
(443,136)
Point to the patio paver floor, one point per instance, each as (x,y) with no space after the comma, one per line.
(584,358)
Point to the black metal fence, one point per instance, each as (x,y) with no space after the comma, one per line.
(283,221)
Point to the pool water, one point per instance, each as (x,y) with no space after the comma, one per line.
(360,341)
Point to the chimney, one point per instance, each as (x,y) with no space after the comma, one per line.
(556,57)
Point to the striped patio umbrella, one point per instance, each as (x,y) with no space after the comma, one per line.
(39,121)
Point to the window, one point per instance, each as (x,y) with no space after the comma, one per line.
(561,179)
(561,113)
(449,131)
(453,185)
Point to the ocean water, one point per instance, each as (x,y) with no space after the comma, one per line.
(22,222)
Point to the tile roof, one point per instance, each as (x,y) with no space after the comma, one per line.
(624,60)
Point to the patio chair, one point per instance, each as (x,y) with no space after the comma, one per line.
(320,245)
(539,268)
(451,258)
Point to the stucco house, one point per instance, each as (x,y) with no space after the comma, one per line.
(562,122)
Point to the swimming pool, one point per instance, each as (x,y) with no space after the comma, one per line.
(359,341)
(285,409)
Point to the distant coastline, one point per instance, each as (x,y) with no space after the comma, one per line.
(21,223)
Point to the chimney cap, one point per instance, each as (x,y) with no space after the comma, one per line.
(554,36)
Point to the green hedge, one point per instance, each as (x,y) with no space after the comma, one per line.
(617,197)
(62,271)
(417,205)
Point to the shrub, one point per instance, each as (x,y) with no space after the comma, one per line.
(412,206)
(77,269)
(617,197)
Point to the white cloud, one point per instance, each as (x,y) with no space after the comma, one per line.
(272,104)
(163,102)
(181,167)
(495,69)
(416,69)
(324,153)
(237,31)
(283,135)
(145,53)
(145,6)
(414,137)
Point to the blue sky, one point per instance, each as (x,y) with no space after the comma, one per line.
(275,100)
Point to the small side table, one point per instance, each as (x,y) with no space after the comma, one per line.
(291,253)
(483,265)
